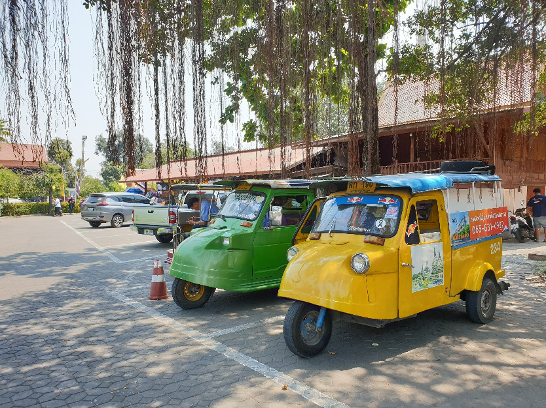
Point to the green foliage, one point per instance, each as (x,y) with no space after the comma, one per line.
(148,161)
(18,209)
(9,184)
(247,41)
(91,185)
(216,148)
(4,131)
(115,187)
(50,178)
(60,151)
(143,147)
(112,173)
(29,186)
(535,119)
(470,45)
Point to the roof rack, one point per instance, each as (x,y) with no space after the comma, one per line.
(468,166)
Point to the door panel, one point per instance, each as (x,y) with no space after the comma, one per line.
(307,222)
(425,257)
(270,246)
(272,242)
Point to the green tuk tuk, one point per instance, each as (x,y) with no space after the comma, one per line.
(244,248)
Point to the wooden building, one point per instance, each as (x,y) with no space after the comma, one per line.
(406,143)
(22,158)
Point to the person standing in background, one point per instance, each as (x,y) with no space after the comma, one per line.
(58,209)
(538,207)
(71,203)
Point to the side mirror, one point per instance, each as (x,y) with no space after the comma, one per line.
(275,216)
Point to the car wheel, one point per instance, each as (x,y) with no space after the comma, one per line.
(189,295)
(95,224)
(481,305)
(117,220)
(164,238)
(301,334)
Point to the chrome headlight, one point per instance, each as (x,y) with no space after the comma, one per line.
(360,263)
(225,241)
(291,253)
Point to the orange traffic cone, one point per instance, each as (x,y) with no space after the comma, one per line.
(158,290)
(170,256)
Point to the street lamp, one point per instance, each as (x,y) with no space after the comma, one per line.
(82,164)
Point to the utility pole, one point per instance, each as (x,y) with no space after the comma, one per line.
(82,164)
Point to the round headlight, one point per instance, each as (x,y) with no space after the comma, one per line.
(360,263)
(291,253)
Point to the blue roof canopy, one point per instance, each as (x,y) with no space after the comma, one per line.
(416,182)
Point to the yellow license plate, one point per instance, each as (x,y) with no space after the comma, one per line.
(358,187)
(244,187)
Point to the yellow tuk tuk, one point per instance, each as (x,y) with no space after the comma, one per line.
(388,247)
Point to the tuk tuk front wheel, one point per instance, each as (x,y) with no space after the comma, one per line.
(189,295)
(481,305)
(301,334)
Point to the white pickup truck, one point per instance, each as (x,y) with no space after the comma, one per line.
(162,220)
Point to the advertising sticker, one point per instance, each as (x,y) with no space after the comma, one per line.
(470,225)
(486,223)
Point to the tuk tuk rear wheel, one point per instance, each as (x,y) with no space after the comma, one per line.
(300,332)
(189,295)
(481,305)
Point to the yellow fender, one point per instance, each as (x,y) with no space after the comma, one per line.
(474,278)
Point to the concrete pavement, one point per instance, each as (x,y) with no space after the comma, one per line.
(77,329)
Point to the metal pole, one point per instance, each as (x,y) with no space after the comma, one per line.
(82,164)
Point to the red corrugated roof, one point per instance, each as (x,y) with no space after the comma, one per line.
(22,155)
(246,163)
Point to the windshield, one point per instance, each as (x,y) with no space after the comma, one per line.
(375,215)
(245,205)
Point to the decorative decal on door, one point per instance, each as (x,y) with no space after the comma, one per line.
(428,266)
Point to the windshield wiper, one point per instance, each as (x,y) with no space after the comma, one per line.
(331,226)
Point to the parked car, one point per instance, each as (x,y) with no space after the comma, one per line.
(115,208)
(168,221)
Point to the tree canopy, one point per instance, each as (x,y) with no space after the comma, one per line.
(307,69)
(59,151)
(471,46)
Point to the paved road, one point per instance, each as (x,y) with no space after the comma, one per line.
(77,329)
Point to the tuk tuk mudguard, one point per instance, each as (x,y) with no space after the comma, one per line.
(478,272)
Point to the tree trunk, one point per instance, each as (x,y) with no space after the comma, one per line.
(371,119)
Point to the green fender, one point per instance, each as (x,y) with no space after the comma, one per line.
(474,278)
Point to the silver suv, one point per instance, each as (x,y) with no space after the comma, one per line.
(115,208)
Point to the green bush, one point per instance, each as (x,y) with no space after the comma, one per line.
(16,209)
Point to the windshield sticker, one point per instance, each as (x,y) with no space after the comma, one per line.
(411,229)
(368,199)
(392,212)
(259,199)
(428,266)
(380,224)
(387,200)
